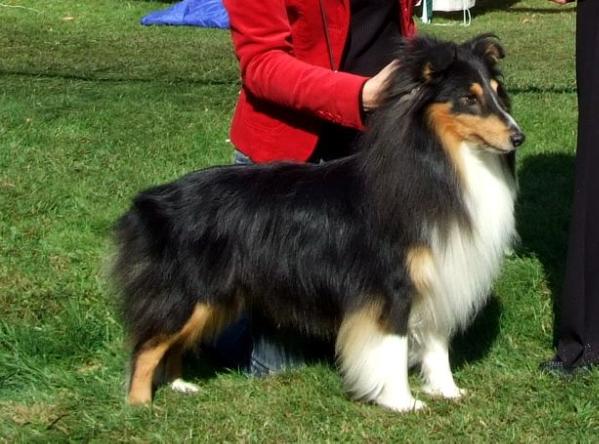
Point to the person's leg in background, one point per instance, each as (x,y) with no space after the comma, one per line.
(578,315)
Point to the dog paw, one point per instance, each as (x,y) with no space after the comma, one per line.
(454,392)
(401,405)
(181,386)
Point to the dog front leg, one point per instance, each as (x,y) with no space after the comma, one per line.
(374,360)
(436,369)
(396,393)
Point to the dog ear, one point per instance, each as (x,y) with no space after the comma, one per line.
(487,47)
(436,60)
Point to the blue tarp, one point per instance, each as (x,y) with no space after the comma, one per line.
(204,13)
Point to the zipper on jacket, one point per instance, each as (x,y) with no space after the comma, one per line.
(325,25)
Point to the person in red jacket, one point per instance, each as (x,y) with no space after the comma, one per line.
(310,71)
(306,64)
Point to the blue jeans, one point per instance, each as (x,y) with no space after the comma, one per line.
(260,349)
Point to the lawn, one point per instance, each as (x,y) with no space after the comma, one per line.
(94,107)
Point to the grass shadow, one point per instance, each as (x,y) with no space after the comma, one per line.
(197,364)
(475,343)
(543,216)
(200,364)
(543,213)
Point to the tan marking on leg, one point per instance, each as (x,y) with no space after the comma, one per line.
(374,360)
(353,325)
(357,331)
(494,84)
(146,361)
(205,319)
(221,318)
(194,329)
(207,322)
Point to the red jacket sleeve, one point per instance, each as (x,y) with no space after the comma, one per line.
(262,39)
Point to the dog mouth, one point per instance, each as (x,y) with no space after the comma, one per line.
(493,148)
(512,143)
(498,150)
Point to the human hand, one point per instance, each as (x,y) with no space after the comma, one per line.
(373,86)
(562,2)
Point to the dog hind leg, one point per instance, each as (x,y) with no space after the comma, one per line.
(144,365)
(205,321)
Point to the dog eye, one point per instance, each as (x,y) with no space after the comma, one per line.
(469,100)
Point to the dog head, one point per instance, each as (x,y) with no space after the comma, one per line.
(459,90)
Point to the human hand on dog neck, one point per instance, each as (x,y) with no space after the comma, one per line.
(373,86)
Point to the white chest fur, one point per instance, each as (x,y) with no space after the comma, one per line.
(465,263)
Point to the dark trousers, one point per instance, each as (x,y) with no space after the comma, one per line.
(578,319)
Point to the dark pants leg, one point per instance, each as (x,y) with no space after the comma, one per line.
(578,324)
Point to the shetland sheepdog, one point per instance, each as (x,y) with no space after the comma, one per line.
(387,252)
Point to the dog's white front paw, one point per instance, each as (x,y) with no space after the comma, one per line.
(400,404)
(181,386)
(449,392)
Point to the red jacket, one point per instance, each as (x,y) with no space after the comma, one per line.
(288,84)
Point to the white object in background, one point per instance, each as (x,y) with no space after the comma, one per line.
(428,6)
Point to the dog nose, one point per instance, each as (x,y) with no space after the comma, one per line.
(517,138)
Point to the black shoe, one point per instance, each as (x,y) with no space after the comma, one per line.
(557,367)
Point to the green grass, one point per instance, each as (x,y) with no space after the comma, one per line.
(94,107)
